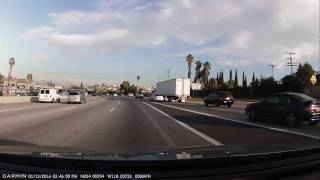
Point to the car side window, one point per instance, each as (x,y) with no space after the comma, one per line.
(284,99)
(213,95)
(273,99)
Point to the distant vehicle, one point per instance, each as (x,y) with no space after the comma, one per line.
(139,96)
(130,94)
(122,94)
(64,97)
(33,93)
(292,108)
(115,94)
(77,96)
(218,98)
(108,94)
(157,98)
(174,89)
(49,95)
(21,92)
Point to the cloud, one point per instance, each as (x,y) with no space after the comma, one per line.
(252,31)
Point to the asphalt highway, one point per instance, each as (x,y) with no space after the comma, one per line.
(124,124)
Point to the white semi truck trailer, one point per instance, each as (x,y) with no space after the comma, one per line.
(174,89)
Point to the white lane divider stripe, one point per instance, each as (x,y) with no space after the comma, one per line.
(167,138)
(202,135)
(241,122)
(69,108)
(112,109)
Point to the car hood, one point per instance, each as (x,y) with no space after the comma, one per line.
(201,152)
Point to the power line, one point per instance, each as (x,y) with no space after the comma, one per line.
(104,74)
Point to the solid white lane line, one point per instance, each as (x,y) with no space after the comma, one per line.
(242,122)
(13,109)
(202,135)
(69,108)
(112,109)
(164,135)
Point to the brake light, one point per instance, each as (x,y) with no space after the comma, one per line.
(311,108)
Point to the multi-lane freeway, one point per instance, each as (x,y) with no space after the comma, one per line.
(125,124)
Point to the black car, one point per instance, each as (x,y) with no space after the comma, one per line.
(292,108)
(33,93)
(139,96)
(218,98)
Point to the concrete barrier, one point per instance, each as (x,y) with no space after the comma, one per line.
(14,99)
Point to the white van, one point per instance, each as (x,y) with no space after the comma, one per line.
(49,95)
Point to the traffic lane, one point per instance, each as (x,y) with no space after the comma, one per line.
(134,127)
(14,118)
(238,104)
(239,115)
(52,129)
(11,107)
(232,133)
(15,123)
(112,125)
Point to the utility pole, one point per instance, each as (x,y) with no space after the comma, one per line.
(138,78)
(290,62)
(272,68)
(12,62)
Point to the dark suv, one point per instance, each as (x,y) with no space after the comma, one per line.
(218,98)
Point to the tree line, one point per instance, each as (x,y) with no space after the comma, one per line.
(264,86)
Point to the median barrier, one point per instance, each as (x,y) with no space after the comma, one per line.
(14,99)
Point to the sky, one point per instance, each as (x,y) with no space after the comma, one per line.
(108,41)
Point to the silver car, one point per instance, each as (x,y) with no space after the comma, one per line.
(77,96)
(64,97)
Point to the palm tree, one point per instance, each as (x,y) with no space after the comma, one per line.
(189,60)
(206,72)
(198,74)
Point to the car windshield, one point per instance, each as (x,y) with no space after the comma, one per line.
(142,78)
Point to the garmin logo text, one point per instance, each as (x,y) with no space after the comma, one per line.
(14,176)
